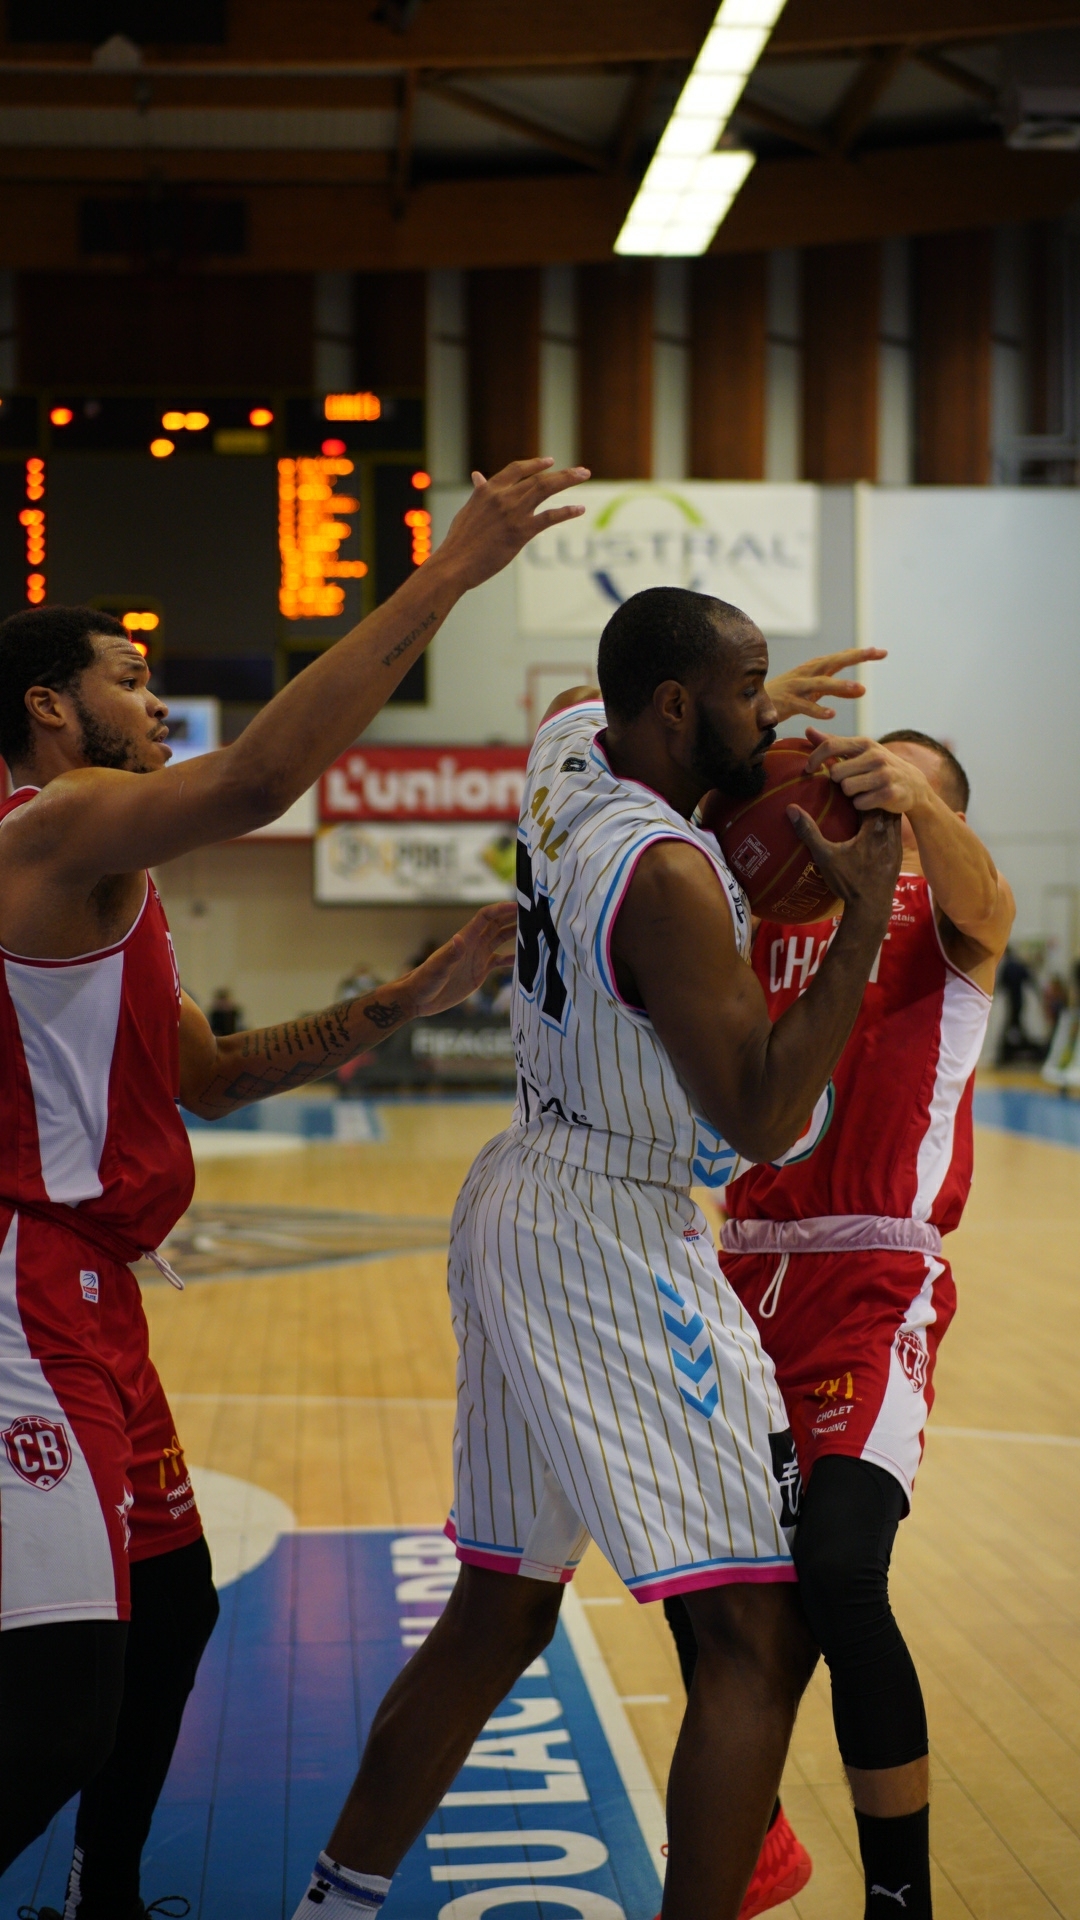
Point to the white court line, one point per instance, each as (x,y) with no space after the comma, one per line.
(619,1734)
(1005,1433)
(313,1399)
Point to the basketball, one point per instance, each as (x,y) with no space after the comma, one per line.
(761,846)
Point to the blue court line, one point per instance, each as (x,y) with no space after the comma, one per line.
(1041,1116)
(306,1646)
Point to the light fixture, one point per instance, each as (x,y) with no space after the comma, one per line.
(690,185)
(161,449)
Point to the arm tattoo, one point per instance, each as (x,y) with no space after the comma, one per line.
(409,640)
(384,1017)
(275,1059)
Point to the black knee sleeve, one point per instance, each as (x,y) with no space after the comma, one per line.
(60,1693)
(843,1545)
(682,1633)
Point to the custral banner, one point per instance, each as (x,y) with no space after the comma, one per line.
(384,865)
(753,544)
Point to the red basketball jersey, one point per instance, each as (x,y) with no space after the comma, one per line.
(89,1083)
(893,1135)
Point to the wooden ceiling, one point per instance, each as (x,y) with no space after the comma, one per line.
(487,134)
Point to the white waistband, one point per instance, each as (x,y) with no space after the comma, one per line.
(834,1233)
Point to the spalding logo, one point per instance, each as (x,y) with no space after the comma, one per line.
(39,1449)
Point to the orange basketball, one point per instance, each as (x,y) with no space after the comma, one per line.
(762,848)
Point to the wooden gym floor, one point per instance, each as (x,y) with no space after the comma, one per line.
(332,1387)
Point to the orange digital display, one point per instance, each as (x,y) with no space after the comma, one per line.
(61,416)
(310,534)
(141,621)
(352,406)
(32,522)
(418,521)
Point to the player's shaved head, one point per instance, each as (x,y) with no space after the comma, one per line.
(663,633)
(955,785)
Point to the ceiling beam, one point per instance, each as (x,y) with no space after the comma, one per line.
(957,75)
(94,167)
(794,130)
(403,150)
(872,80)
(809,27)
(518,123)
(638,102)
(528,221)
(474,34)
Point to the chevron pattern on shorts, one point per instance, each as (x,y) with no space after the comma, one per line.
(683,1332)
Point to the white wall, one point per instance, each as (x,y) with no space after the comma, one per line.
(976,593)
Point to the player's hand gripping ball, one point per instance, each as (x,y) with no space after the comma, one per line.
(761,846)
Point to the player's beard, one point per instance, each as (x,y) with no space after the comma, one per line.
(715,765)
(106,746)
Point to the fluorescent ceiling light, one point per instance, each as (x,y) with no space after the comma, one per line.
(690,185)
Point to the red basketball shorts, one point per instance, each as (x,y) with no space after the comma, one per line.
(91,1472)
(853,1338)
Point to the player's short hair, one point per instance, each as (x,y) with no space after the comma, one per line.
(662,633)
(43,647)
(954,776)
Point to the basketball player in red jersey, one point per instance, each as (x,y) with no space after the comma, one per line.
(106,1599)
(837,1253)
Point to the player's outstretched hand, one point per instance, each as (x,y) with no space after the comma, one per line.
(803,689)
(463,964)
(502,515)
(861,871)
(869,773)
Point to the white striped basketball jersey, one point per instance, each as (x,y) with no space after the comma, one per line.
(595,1087)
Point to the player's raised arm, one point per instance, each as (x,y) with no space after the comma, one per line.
(218,1075)
(675,956)
(918,778)
(133,823)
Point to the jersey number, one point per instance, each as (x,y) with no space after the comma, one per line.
(536,927)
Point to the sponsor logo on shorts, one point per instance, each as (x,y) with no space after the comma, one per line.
(785,1465)
(913,1357)
(90,1285)
(39,1449)
(748,856)
(842,1388)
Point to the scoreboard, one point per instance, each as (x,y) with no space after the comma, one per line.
(238,535)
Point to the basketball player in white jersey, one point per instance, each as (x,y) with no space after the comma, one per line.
(609,1384)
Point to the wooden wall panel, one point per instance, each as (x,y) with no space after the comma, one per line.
(615,306)
(504,366)
(145,330)
(841,309)
(954,309)
(391,329)
(727,367)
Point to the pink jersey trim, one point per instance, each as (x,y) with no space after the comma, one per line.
(832,1233)
(578,706)
(502,1559)
(695,1581)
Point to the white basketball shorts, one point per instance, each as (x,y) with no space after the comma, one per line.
(609,1384)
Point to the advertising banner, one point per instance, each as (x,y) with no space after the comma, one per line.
(424,783)
(386,865)
(754,544)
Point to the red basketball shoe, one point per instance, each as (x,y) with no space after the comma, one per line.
(782,1871)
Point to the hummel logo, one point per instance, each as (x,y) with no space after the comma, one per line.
(890,1895)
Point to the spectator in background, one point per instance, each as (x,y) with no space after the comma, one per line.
(224,1014)
(1016,1043)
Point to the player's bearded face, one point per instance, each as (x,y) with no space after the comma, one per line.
(715,765)
(107,745)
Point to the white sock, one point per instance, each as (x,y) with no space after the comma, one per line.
(337,1893)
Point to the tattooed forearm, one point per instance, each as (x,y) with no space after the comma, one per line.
(253,1066)
(384,1017)
(410,640)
